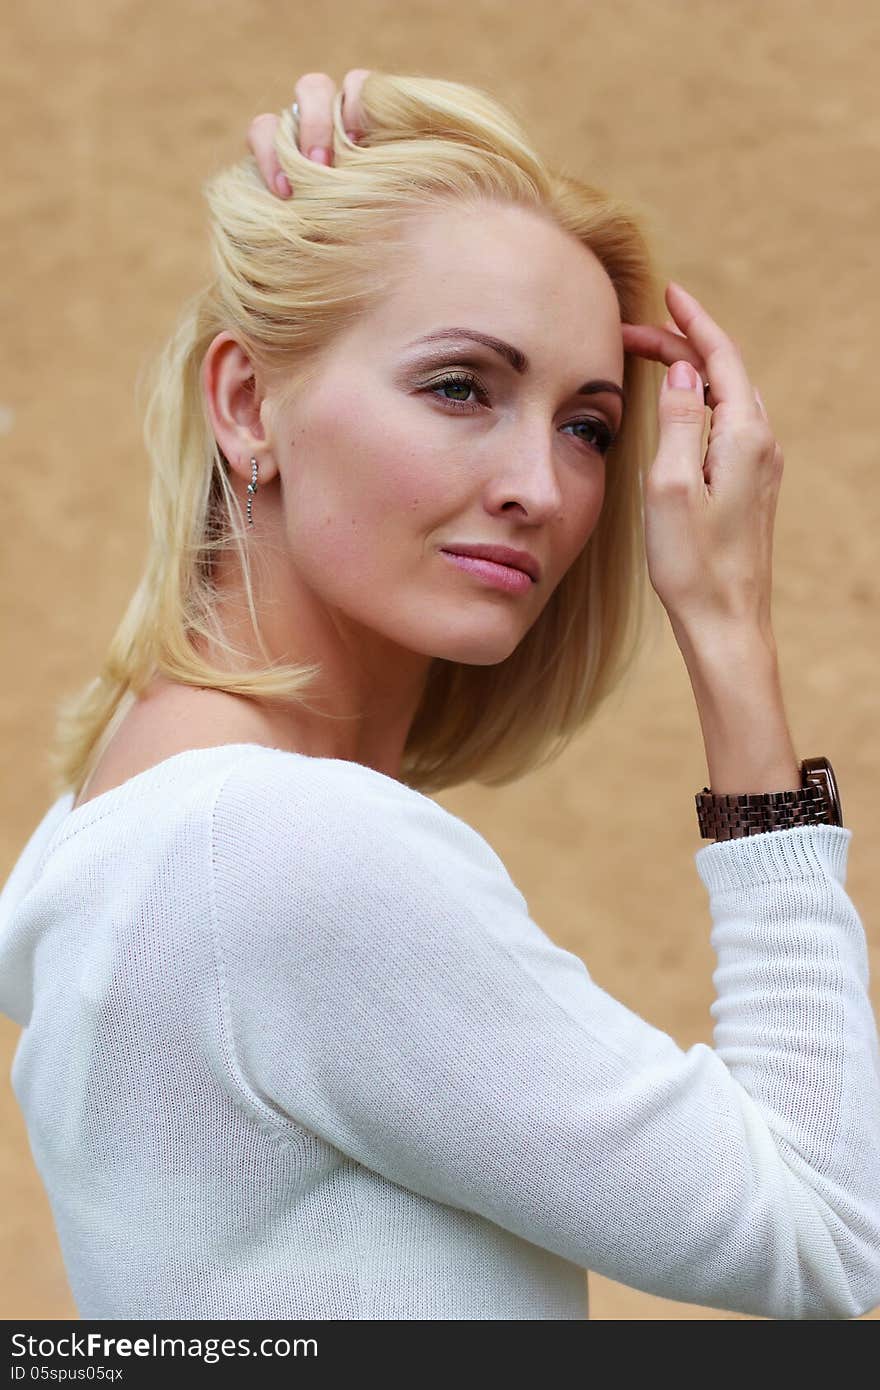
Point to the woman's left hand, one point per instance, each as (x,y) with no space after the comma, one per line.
(709,517)
(667,345)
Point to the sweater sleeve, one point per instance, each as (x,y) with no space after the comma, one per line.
(387,989)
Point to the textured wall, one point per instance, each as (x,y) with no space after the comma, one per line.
(749,134)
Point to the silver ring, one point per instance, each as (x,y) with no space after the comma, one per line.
(295,110)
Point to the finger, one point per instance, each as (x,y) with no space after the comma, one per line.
(722,362)
(660,344)
(679,461)
(315,93)
(761,405)
(354,117)
(667,345)
(261,140)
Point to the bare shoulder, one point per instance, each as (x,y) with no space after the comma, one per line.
(169,718)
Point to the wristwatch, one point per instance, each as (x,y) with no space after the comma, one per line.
(817,802)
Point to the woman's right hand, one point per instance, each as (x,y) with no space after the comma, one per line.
(315,93)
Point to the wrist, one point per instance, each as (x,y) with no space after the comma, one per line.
(708,652)
(740,703)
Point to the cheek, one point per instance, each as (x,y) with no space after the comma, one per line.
(394,472)
(596,500)
(402,473)
(581,515)
(363,495)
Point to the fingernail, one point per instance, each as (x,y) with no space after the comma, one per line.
(682,376)
(319,154)
(283,185)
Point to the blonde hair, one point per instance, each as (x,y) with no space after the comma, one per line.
(288,277)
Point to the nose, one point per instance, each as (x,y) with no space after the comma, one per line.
(524,471)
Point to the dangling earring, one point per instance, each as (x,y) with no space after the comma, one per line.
(251,487)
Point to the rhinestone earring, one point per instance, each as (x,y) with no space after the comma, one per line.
(251,487)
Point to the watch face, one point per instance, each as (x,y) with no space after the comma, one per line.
(819,770)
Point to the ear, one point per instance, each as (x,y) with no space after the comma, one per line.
(233,398)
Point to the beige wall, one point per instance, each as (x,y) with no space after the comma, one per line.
(749,134)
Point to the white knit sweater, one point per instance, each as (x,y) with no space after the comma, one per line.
(294,1048)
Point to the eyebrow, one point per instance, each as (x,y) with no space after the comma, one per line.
(517,359)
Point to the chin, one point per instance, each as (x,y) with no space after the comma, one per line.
(477,649)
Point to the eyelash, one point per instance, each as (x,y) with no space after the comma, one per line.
(606,436)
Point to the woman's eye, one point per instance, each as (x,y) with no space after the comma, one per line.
(602,439)
(462,383)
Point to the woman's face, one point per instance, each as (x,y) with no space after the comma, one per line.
(384,465)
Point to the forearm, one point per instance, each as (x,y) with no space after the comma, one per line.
(737,687)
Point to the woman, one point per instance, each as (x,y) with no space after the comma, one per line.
(292,1045)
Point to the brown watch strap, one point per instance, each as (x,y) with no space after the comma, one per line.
(755,813)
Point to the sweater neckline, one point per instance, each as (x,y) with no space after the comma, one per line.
(74,818)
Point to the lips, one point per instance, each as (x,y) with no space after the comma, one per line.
(501,555)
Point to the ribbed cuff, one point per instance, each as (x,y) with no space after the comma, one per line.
(804,851)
